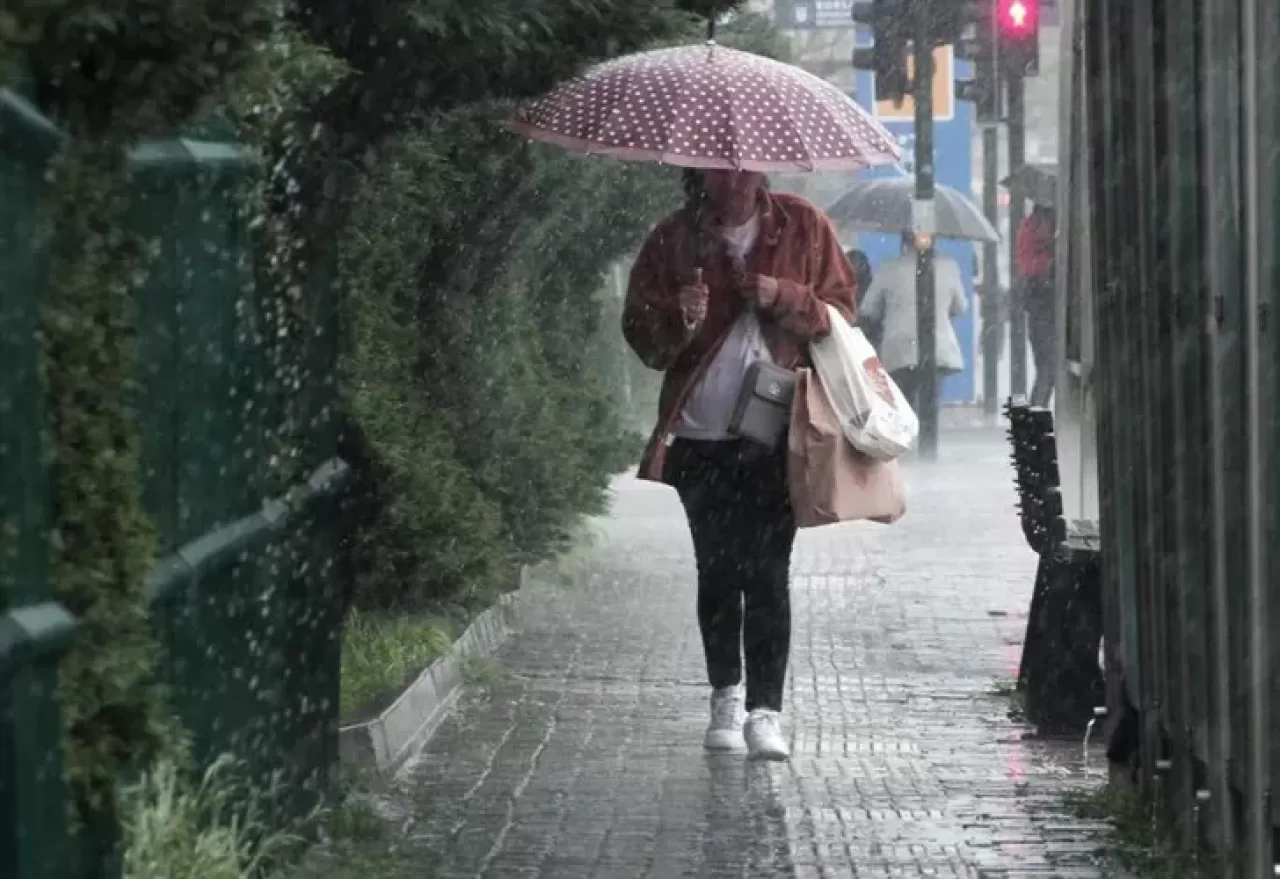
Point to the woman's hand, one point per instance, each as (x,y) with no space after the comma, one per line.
(760,290)
(693,302)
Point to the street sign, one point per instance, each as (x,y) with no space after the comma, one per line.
(814,14)
(944,92)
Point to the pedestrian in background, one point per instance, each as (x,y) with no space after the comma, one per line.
(891,303)
(1036,262)
(739,274)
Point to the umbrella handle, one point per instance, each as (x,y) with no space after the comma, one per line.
(697,277)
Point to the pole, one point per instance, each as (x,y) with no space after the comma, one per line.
(923,220)
(1017,309)
(1258,24)
(992,328)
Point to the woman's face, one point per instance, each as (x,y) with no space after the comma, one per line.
(733,194)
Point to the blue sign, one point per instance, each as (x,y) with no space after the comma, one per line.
(814,14)
(953,166)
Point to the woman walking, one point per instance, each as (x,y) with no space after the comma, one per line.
(738,274)
(891,304)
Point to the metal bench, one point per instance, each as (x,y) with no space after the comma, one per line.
(1060,679)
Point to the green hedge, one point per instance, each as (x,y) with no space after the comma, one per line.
(480,423)
(109,74)
(474,262)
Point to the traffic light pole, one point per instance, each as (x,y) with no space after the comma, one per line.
(992,328)
(923,220)
(1017,307)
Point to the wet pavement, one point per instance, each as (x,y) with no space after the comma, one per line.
(584,758)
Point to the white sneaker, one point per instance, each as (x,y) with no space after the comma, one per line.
(727,713)
(763,733)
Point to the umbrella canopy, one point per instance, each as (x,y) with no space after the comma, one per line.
(884,205)
(1037,182)
(708,106)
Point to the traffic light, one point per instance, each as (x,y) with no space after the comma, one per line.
(949,20)
(977,44)
(889,21)
(984,92)
(1018,33)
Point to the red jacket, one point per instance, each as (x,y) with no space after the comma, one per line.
(797,245)
(1035,248)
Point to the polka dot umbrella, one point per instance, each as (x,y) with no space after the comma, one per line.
(708,106)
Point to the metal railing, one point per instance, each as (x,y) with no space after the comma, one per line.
(246,599)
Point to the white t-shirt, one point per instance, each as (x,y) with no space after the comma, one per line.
(709,407)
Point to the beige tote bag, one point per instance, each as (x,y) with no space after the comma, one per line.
(830,480)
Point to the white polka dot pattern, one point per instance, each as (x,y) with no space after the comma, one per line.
(709,106)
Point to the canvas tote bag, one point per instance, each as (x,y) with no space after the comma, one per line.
(830,481)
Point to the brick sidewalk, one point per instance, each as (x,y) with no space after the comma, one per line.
(587,760)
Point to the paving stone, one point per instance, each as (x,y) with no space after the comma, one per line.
(586,761)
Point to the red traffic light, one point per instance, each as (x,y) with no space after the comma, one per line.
(1018,17)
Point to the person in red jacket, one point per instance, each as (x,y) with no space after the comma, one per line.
(1035,252)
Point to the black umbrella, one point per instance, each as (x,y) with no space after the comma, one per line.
(883,204)
(1037,182)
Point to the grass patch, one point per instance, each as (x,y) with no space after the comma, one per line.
(356,821)
(358,844)
(1133,841)
(177,828)
(355,839)
(382,654)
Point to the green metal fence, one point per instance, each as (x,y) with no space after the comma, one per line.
(1182,107)
(246,599)
(34,629)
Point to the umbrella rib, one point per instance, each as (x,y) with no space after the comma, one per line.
(735,143)
(624,91)
(796,127)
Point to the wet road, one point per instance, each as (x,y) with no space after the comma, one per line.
(586,760)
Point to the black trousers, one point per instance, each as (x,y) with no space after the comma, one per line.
(1043,336)
(736,500)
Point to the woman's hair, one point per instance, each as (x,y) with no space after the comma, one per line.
(695,201)
(694,185)
(695,188)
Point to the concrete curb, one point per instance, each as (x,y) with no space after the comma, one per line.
(387,741)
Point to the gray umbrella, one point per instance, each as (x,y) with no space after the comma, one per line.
(884,204)
(1037,182)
